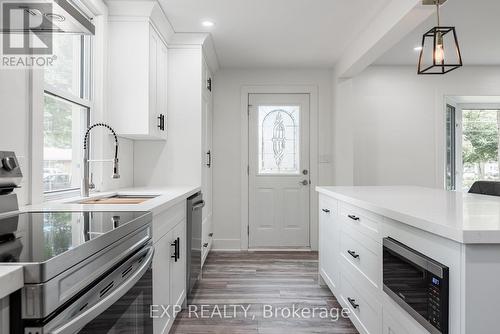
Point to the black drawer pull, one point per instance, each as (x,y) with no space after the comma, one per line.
(210,235)
(325,210)
(353,302)
(205,244)
(353,254)
(353,217)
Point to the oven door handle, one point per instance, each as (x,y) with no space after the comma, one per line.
(87,316)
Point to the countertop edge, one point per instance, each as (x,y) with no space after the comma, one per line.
(460,236)
(11,280)
(167,197)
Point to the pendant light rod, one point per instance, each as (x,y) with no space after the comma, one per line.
(437,12)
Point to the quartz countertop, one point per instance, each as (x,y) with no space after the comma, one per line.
(462,217)
(11,279)
(166,197)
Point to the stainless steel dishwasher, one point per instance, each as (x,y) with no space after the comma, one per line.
(195,206)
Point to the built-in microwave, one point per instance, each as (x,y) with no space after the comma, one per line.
(418,284)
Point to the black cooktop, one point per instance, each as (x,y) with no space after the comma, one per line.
(40,236)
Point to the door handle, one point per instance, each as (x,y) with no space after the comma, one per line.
(353,217)
(304,182)
(325,210)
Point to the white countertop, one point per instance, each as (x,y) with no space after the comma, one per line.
(11,279)
(462,217)
(166,197)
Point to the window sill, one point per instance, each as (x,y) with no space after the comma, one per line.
(60,195)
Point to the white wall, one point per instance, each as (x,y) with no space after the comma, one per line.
(397,121)
(176,161)
(227,139)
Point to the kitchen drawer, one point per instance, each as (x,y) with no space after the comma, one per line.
(391,326)
(328,204)
(167,220)
(363,253)
(365,310)
(364,221)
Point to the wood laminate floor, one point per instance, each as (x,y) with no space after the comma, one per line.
(255,292)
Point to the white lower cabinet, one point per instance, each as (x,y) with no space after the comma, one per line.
(161,282)
(328,241)
(169,265)
(178,268)
(391,326)
(350,262)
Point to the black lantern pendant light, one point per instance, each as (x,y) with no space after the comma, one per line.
(440,51)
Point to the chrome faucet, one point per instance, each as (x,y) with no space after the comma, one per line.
(86,183)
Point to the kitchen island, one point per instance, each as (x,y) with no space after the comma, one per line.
(460,231)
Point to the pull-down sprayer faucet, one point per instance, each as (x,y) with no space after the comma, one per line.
(86,159)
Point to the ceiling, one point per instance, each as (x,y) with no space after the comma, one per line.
(275,33)
(478,27)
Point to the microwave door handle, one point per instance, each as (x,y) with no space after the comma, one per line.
(87,316)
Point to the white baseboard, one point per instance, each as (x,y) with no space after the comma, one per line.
(226,245)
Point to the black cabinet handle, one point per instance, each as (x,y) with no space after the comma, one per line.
(178,248)
(352,301)
(353,254)
(174,244)
(210,235)
(209,84)
(205,244)
(353,217)
(209,159)
(161,122)
(325,210)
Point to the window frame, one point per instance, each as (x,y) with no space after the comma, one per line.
(85,101)
(459,107)
(451,160)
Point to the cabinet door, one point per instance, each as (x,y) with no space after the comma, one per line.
(161,280)
(161,91)
(208,158)
(154,45)
(329,240)
(178,268)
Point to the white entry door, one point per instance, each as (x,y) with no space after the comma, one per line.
(279,170)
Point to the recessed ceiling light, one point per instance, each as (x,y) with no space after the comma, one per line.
(417,48)
(207,23)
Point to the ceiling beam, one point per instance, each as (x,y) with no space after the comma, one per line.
(393,23)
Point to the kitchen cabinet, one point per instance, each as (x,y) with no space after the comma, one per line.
(169,264)
(137,89)
(178,265)
(329,241)
(207,155)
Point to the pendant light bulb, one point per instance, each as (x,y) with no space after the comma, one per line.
(439,52)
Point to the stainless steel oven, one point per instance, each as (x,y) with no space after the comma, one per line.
(117,303)
(418,284)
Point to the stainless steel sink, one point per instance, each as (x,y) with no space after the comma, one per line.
(118,199)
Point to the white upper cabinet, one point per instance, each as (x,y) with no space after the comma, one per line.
(137,100)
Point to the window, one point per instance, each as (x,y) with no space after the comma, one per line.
(279,139)
(66,112)
(476,142)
